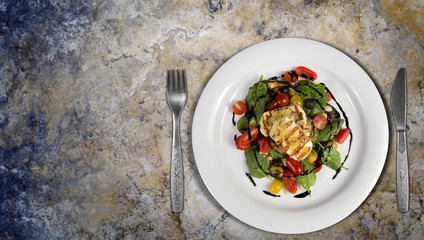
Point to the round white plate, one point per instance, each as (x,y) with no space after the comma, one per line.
(223,168)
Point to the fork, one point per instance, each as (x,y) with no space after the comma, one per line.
(176,94)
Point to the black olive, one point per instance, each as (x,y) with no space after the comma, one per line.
(249,114)
(285,89)
(333,115)
(309,103)
(277,162)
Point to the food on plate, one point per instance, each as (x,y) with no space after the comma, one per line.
(289,130)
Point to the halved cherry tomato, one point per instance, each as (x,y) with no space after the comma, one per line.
(306,73)
(317,166)
(244,140)
(328,96)
(240,146)
(273,105)
(282,99)
(291,187)
(290,76)
(343,134)
(239,107)
(265,145)
(288,176)
(320,121)
(260,138)
(294,166)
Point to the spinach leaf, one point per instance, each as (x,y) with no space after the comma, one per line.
(257,164)
(256,91)
(275,154)
(260,107)
(242,124)
(309,90)
(307,180)
(331,158)
(328,131)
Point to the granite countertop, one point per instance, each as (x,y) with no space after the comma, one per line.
(85,129)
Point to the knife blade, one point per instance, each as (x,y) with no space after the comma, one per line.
(398,100)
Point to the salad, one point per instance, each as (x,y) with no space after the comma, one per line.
(289,131)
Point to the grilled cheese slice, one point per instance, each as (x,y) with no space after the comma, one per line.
(290,128)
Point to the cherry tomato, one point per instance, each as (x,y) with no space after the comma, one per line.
(312,157)
(291,76)
(239,107)
(288,176)
(282,99)
(296,99)
(343,134)
(275,187)
(291,187)
(260,138)
(273,105)
(317,166)
(276,171)
(265,145)
(332,144)
(306,73)
(294,166)
(328,96)
(240,146)
(244,138)
(320,121)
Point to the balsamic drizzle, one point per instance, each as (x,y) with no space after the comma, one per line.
(270,194)
(234,122)
(251,179)
(302,195)
(347,126)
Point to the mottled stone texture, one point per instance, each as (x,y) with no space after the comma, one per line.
(85,129)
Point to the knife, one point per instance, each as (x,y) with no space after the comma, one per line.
(398,101)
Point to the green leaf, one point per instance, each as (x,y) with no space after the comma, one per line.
(256,163)
(262,89)
(309,90)
(331,158)
(260,107)
(275,154)
(242,124)
(307,180)
(263,162)
(256,92)
(328,131)
(251,97)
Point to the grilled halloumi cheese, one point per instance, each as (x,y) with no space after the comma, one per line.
(290,128)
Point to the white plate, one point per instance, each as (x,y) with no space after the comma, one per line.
(223,168)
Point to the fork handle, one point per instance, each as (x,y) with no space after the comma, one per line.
(177,174)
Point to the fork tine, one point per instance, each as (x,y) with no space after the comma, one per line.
(174,80)
(184,81)
(180,80)
(169,81)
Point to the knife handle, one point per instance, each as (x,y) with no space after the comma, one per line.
(402,175)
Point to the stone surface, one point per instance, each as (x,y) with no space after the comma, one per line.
(85,130)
